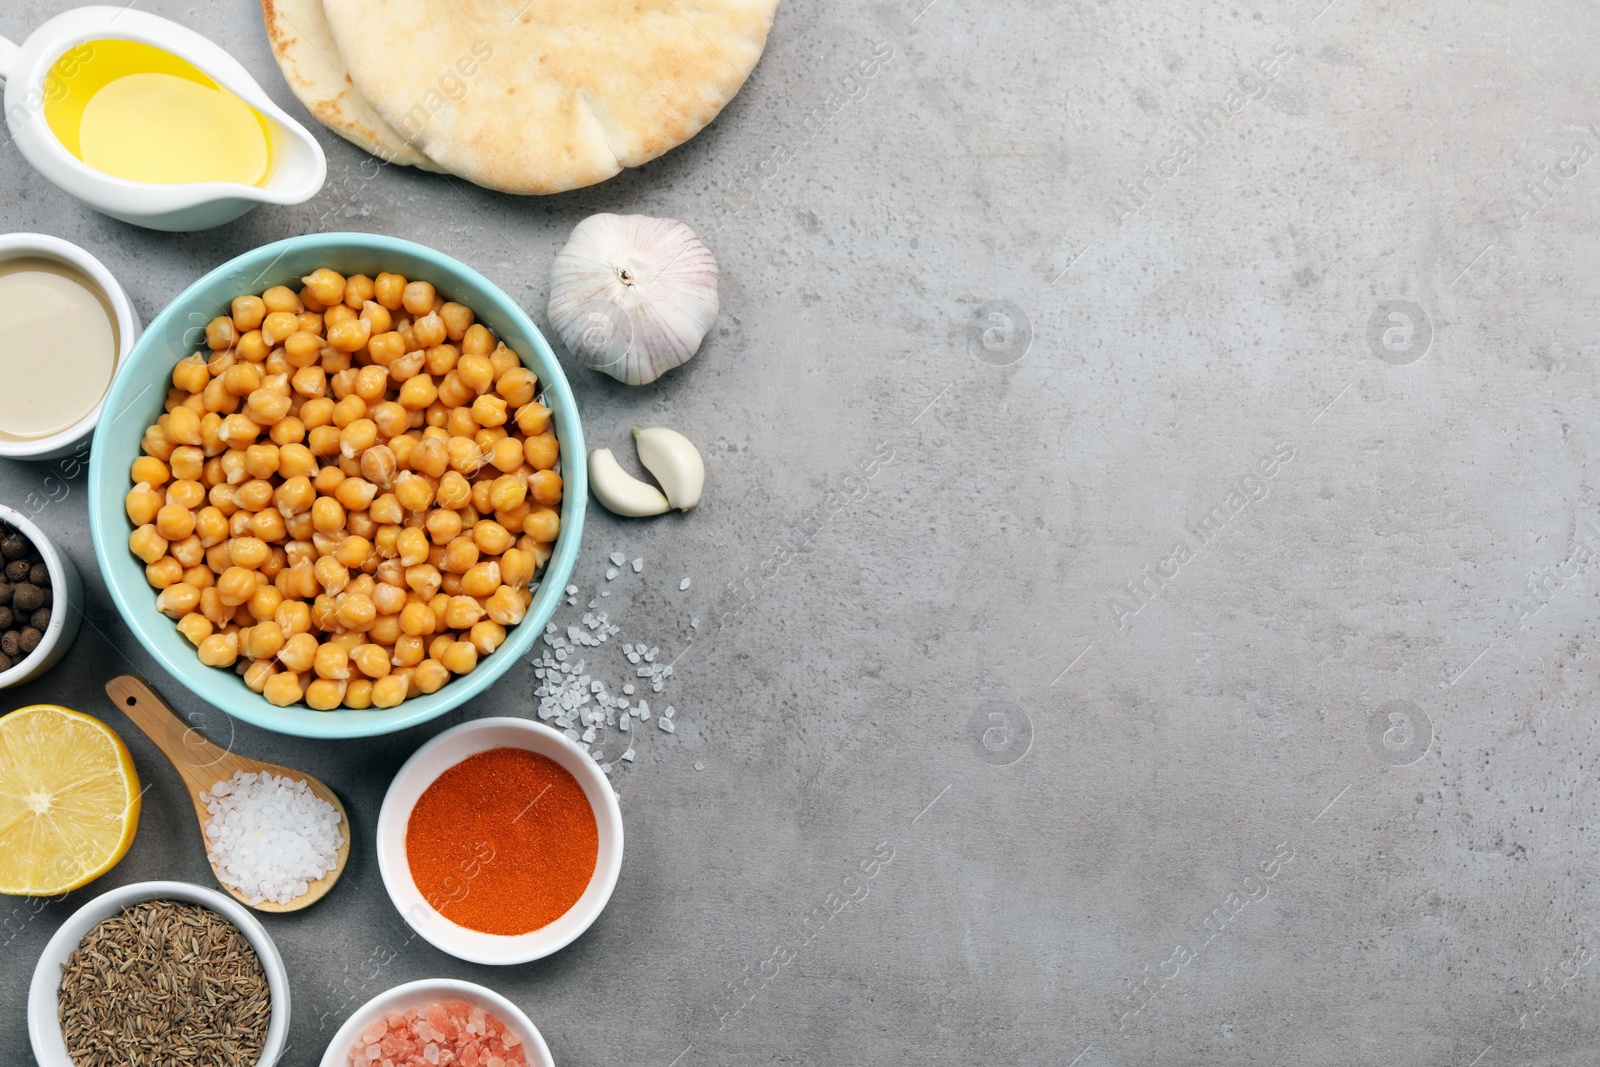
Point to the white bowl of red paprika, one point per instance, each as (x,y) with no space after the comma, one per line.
(500,841)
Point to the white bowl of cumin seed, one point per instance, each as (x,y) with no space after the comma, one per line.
(44,1008)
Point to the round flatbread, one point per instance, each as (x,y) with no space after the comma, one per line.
(311,64)
(542,96)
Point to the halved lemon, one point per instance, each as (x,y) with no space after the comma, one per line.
(69,800)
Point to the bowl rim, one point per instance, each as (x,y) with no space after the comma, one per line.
(58,582)
(43,1015)
(507,1011)
(474,946)
(43,245)
(297,720)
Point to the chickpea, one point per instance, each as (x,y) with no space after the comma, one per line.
(487,635)
(431,456)
(174,521)
(481,579)
(443,525)
(247,312)
(278,327)
(360,524)
(324,441)
(353,551)
(377,317)
(188,552)
(219,650)
(430,676)
(239,524)
(453,392)
(200,576)
(142,504)
(407,366)
(356,612)
(266,640)
(505,455)
(293,617)
(516,567)
(357,437)
(299,652)
(388,692)
(310,382)
(505,606)
(288,430)
(451,586)
(542,451)
(256,675)
(385,347)
(417,298)
(476,372)
(215,398)
(386,509)
(266,406)
(409,649)
(186,493)
(252,347)
(326,285)
(358,694)
(418,392)
(217,558)
(282,689)
(194,626)
(424,579)
(241,379)
(413,491)
(331,661)
(332,575)
(460,555)
(316,413)
(480,494)
(177,600)
(517,387)
(413,546)
(459,658)
(281,298)
(533,419)
(265,603)
(358,290)
(439,358)
(162,573)
(370,659)
(462,612)
(327,514)
(247,552)
(507,492)
(542,524)
(236,585)
(268,524)
(349,408)
(221,333)
(460,423)
(478,340)
(545,487)
(349,335)
(489,411)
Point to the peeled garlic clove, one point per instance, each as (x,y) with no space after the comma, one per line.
(633,296)
(620,491)
(675,463)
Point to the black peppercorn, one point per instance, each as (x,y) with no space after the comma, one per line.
(40,620)
(27,598)
(30,639)
(39,574)
(5,591)
(8,618)
(14,546)
(18,569)
(11,643)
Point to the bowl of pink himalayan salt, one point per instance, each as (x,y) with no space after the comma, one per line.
(438,1022)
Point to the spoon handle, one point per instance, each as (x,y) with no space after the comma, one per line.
(189,752)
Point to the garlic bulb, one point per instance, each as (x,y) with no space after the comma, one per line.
(633,296)
(674,462)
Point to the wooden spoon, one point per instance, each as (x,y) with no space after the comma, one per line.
(202,765)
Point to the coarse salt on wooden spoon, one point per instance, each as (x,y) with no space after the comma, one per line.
(204,765)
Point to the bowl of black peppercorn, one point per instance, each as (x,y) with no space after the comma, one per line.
(40,594)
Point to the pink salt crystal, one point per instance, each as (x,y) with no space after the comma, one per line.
(510,1038)
(374,1031)
(430,1052)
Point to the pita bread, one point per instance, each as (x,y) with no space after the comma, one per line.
(312,66)
(542,96)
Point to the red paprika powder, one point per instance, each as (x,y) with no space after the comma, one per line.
(503,842)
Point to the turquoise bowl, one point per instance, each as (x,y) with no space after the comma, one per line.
(136,400)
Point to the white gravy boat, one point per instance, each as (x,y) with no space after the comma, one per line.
(298,166)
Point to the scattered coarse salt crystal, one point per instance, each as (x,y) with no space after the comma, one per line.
(694,621)
(611,573)
(670,712)
(618,558)
(269,836)
(628,755)
(683,585)
(699,766)
(666,724)
(572,590)
(638,565)
(627,690)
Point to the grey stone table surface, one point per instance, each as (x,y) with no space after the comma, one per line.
(1145,582)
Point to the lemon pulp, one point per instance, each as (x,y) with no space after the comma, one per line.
(69,800)
(134,111)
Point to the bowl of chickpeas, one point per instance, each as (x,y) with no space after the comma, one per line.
(342,485)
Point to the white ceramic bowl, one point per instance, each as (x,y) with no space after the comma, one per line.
(438,756)
(66,605)
(44,1026)
(420,995)
(43,246)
